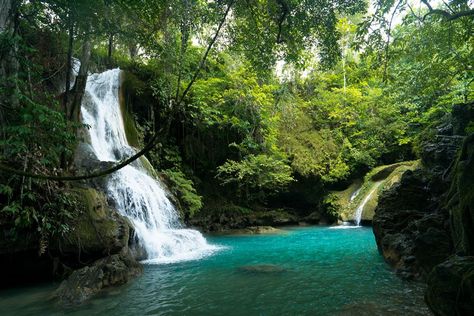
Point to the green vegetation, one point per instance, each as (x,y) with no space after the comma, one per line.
(352,91)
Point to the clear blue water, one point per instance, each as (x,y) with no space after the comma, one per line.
(319,271)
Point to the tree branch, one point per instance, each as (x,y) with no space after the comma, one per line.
(445,14)
(102,173)
(203,60)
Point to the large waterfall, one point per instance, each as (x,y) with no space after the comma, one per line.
(137,194)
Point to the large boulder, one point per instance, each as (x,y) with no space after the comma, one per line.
(97,230)
(451,287)
(86,282)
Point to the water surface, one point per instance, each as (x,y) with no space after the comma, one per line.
(306,271)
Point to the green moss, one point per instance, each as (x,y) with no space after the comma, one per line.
(148,166)
(183,188)
(133,136)
(461,199)
(97,226)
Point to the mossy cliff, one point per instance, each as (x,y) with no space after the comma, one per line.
(95,231)
(424,224)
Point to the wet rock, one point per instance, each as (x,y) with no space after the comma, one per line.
(451,287)
(410,229)
(422,222)
(313,218)
(440,152)
(96,230)
(86,162)
(86,282)
(262,268)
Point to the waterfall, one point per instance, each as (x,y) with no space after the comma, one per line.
(137,194)
(360,208)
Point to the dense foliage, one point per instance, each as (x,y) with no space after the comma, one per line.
(252,97)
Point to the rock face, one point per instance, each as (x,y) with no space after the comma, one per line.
(101,238)
(451,287)
(98,231)
(409,228)
(461,199)
(96,246)
(424,226)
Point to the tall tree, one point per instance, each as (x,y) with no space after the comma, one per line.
(9,65)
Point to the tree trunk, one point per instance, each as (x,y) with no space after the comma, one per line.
(9,64)
(110,49)
(81,80)
(69,64)
(133,50)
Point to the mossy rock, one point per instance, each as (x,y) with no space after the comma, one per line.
(461,202)
(131,131)
(451,287)
(97,230)
(88,281)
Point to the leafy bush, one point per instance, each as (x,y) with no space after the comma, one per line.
(183,189)
(256,175)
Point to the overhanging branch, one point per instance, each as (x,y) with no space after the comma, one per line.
(445,14)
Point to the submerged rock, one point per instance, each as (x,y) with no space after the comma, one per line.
(451,287)
(263,268)
(255,230)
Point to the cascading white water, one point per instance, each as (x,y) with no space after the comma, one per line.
(355,194)
(137,195)
(360,208)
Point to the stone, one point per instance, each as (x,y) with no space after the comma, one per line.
(254,230)
(451,287)
(231,218)
(86,282)
(98,230)
(262,268)
(410,228)
(313,218)
(461,199)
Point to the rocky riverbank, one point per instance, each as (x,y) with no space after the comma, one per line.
(228,219)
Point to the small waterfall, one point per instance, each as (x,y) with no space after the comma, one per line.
(137,195)
(360,208)
(355,194)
